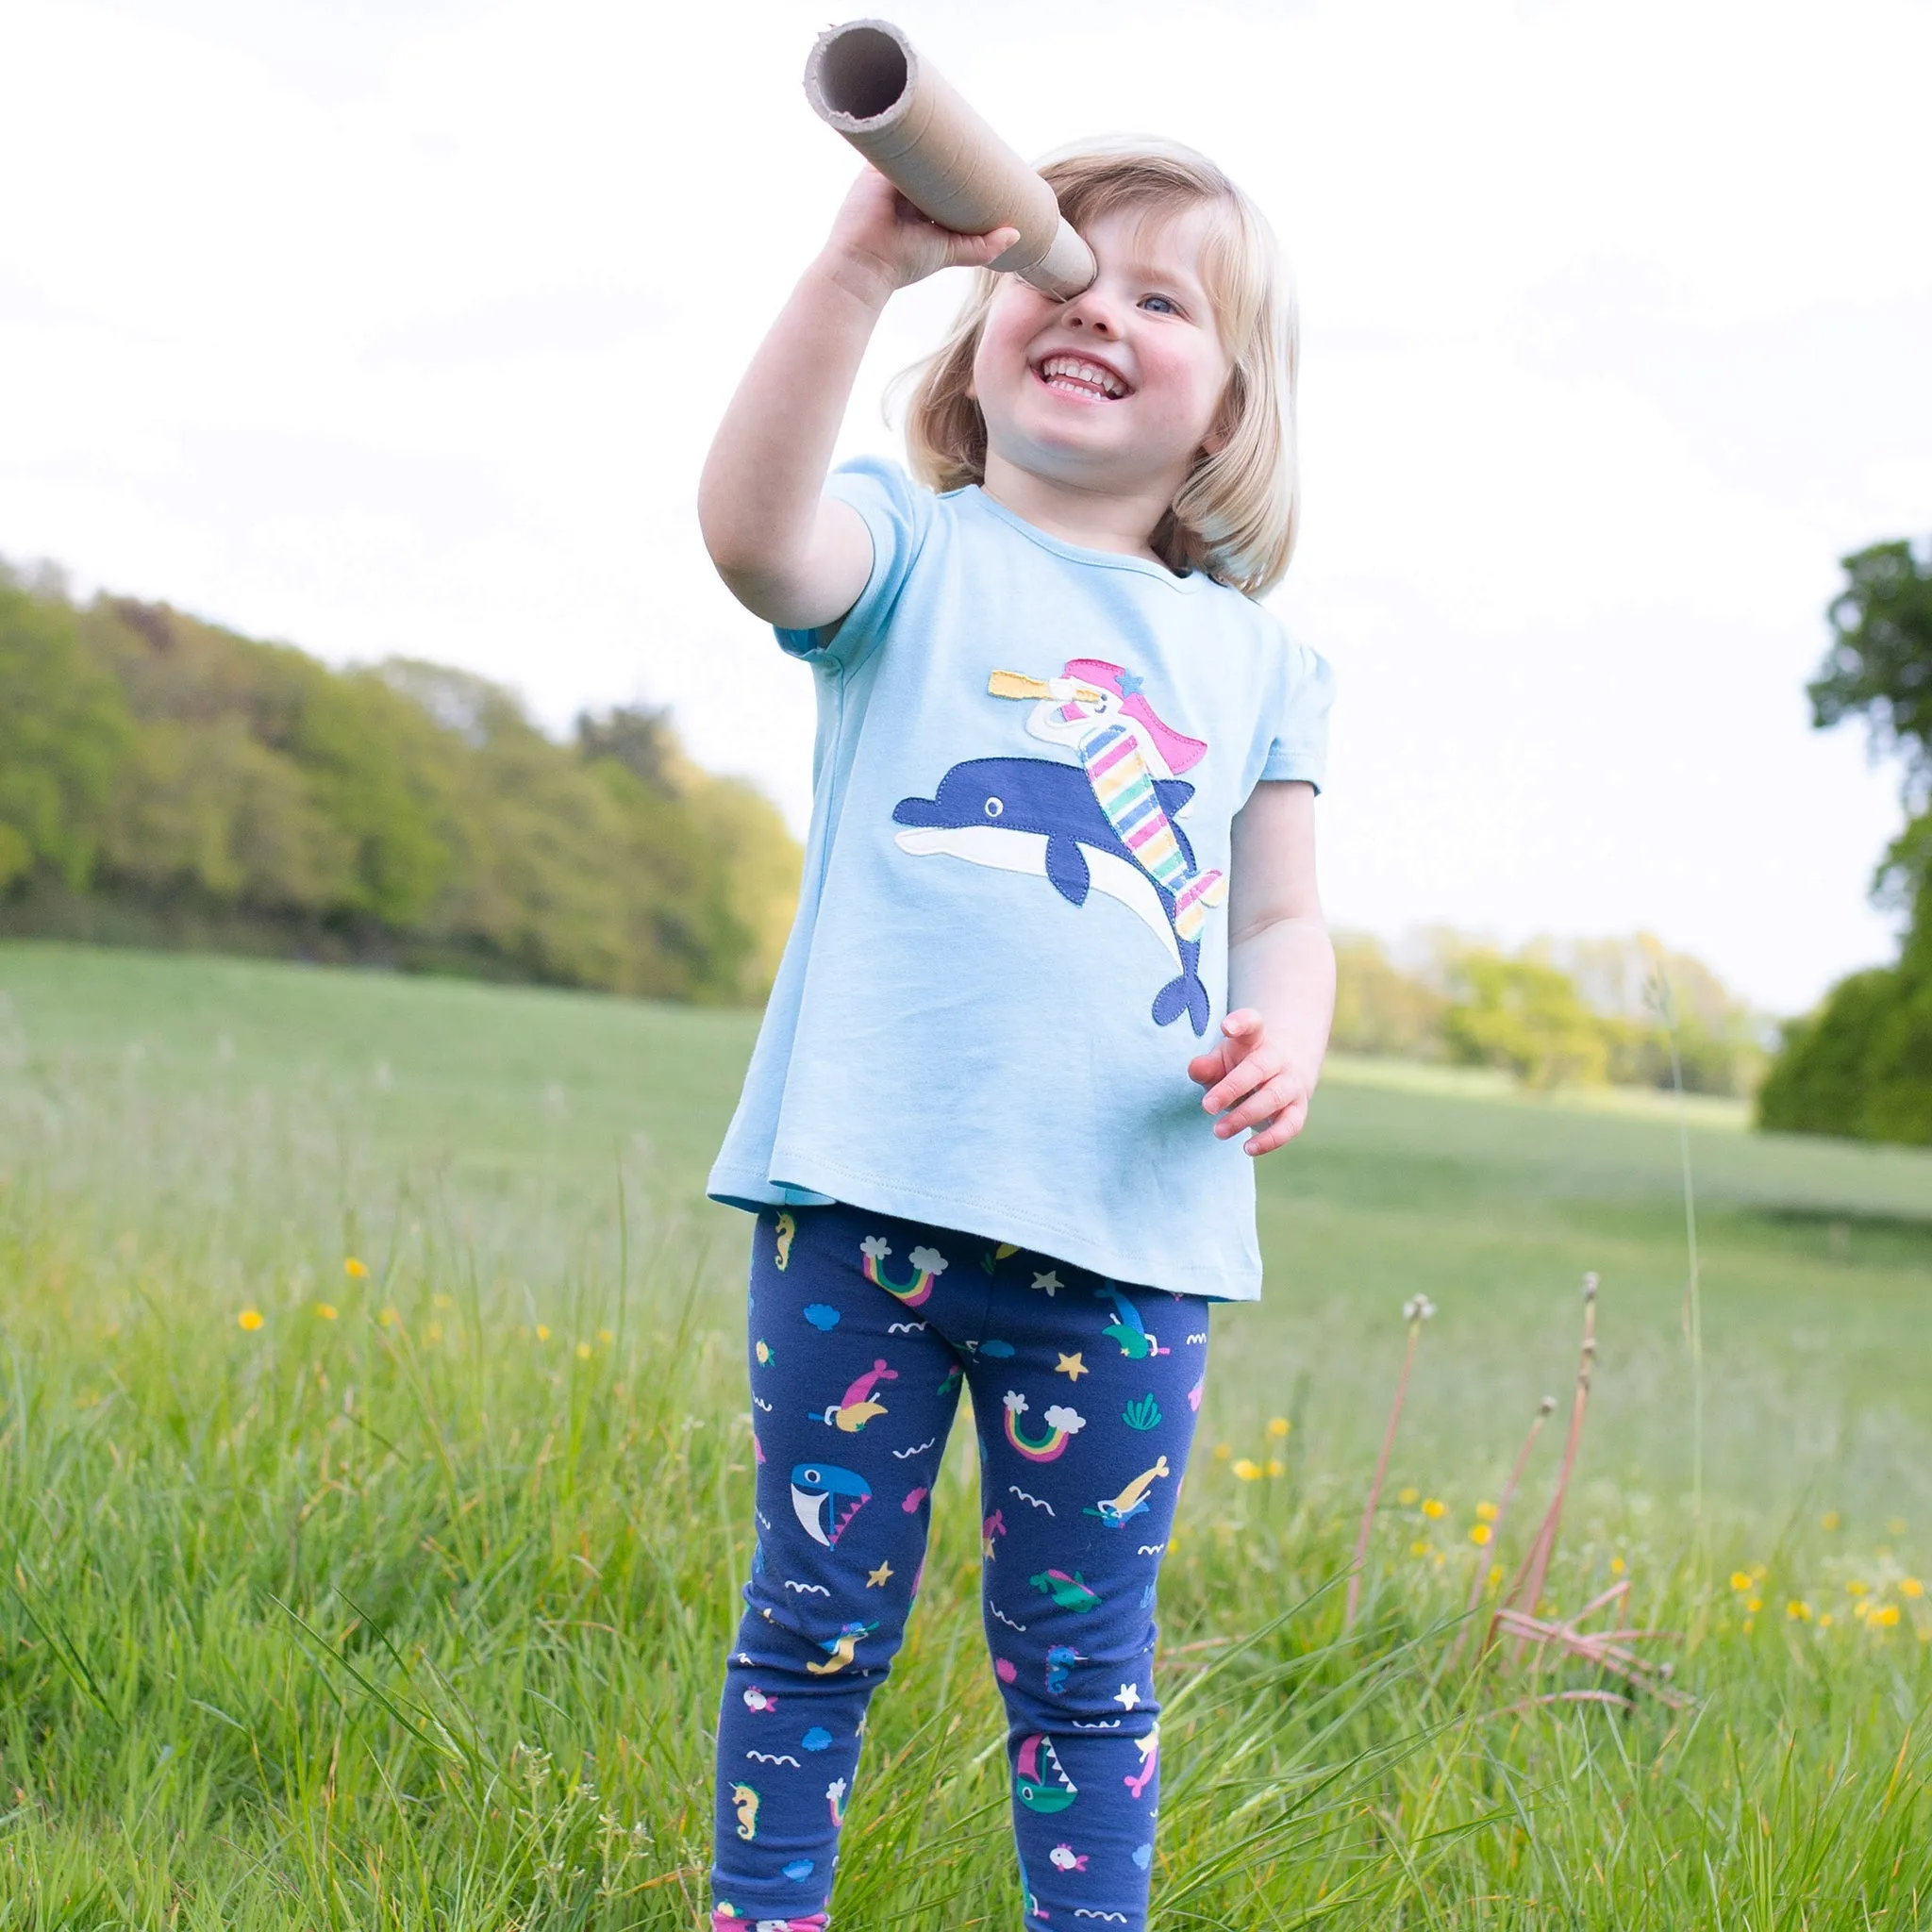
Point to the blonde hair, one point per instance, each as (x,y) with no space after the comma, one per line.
(1234,516)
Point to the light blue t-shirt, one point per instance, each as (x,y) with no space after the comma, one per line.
(1012,929)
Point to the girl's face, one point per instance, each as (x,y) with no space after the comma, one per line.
(1117,390)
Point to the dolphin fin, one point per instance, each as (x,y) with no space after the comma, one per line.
(1067,867)
(1183,994)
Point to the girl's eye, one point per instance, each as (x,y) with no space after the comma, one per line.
(1160,305)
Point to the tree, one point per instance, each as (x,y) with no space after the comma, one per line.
(64,730)
(1861,1064)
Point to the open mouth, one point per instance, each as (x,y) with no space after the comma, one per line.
(1081,376)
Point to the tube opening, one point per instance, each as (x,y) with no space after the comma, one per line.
(862,73)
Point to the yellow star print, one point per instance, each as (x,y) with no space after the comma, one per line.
(1071,1367)
(875,1579)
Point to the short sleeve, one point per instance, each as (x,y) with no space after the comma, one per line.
(1299,748)
(897,514)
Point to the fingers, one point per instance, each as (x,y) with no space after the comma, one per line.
(975,251)
(1253,1070)
(1263,1104)
(1281,1130)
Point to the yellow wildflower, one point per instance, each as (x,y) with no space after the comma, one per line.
(1276,1467)
(1480,1535)
(1754,1603)
(1855,1588)
(1750,1626)
(1248,1470)
(1824,1619)
(355,1270)
(1910,1586)
(1883,1616)
(325,1311)
(1897,1525)
(1420,1547)
(1741,1579)
(1486,1513)
(605,1336)
(1861,1608)
(1278,1427)
(433,1332)
(1222,1452)
(1830,1520)
(583,1351)
(1405,1497)
(1616,1566)
(1433,1509)
(389,1318)
(250,1319)
(443,1301)
(542,1333)
(1495,1575)
(1798,1610)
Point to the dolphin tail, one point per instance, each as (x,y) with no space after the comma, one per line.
(1182,994)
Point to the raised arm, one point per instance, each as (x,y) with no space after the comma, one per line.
(789,552)
(1280,974)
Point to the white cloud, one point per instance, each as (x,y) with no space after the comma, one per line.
(402,328)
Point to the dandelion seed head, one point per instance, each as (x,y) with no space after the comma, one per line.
(1547,1405)
(1590,1287)
(1418,1308)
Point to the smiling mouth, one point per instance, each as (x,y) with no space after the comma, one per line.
(1077,375)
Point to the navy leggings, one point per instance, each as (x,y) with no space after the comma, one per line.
(1085,1390)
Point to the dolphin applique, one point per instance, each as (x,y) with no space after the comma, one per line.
(818,1491)
(1039,816)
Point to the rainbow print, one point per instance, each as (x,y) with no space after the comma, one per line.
(1063,1425)
(927,1266)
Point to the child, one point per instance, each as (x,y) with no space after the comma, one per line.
(1062,822)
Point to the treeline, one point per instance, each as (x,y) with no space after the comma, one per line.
(1582,1012)
(165,781)
(1861,1064)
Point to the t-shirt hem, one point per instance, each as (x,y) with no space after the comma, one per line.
(823,1182)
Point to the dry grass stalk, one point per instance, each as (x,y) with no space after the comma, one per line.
(1609,1650)
(1415,1311)
(1528,1589)
(1543,1411)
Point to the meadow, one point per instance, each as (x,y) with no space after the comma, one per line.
(374,1479)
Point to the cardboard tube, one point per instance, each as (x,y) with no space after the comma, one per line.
(866,80)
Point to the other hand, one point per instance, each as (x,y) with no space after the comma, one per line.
(1251,1083)
(879,233)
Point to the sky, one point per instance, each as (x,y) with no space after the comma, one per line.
(402,328)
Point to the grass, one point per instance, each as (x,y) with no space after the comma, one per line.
(406,1606)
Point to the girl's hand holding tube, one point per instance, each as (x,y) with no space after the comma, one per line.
(881,238)
(1252,1082)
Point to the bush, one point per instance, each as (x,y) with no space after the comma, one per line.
(1860,1065)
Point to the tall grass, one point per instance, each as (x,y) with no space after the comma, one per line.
(407,1606)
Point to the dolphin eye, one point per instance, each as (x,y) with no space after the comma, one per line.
(811,1475)
(993,807)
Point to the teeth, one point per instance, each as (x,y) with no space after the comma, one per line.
(1076,369)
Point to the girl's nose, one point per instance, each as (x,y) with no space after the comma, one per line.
(1087,310)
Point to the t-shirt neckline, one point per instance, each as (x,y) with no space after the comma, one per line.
(1076,553)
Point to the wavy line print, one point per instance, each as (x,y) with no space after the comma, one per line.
(760,1402)
(1150,1549)
(900,1455)
(1101,1723)
(764,1520)
(1006,1620)
(1202,1337)
(1038,1502)
(807,1589)
(906,1328)
(1116,1918)
(775,1757)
